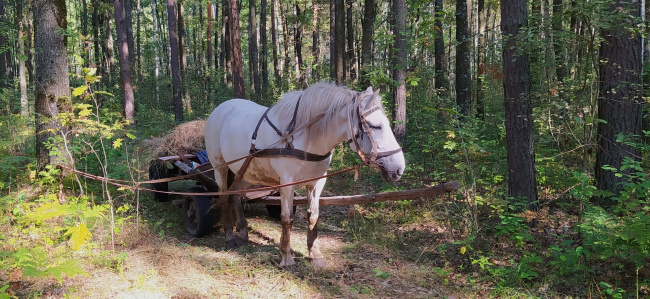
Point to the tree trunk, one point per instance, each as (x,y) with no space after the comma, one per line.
(264,50)
(123,49)
(177,102)
(52,86)
(109,57)
(252,49)
(557,41)
(442,83)
(274,42)
(367,28)
(463,58)
(480,59)
(217,52)
(227,43)
(22,70)
(156,51)
(187,103)
(315,65)
(399,70)
(286,72)
(208,35)
(339,40)
(522,184)
(138,52)
(128,22)
(4,78)
(97,57)
(297,46)
(619,96)
(333,40)
(237,62)
(350,57)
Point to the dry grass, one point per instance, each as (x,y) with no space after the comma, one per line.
(186,138)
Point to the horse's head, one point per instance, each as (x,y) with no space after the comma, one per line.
(371,136)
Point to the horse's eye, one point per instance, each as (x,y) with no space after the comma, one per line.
(375,127)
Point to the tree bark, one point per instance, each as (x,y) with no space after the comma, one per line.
(442,83)
(463,58)
(109,56)
(315,53)
(237,62)
(367,28)
(97,57)
(297,46)
(4,78)
(156,51)
(187,103)
(128,22)
(264,47)
(123,49)
(177,102)
(22,69)
(52,88)
(522,182)
(619,96)
(208,35)
(480,59)
(252,49)
(399,70)
(286,71)
(350,57)
(274,46)
(339,40)
(333,40)
(557,41)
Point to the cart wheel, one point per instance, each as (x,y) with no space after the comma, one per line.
(158,170)
(199,218)
(275,212)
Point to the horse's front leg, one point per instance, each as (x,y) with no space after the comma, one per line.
(286,220)
(313,200)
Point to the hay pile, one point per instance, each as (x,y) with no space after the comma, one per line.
(186,138)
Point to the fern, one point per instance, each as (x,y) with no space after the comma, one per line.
(79,235)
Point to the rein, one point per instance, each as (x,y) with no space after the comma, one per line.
(137,187)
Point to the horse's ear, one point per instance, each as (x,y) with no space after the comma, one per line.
(376,93)
(369,89)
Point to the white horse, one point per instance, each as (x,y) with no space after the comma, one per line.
(316,120)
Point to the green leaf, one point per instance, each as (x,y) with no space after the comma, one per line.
(117,143)
(79,90)
(69,268)
(79,236)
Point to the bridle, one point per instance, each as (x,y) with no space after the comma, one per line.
(363,127)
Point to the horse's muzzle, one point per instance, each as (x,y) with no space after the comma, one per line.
(391,167)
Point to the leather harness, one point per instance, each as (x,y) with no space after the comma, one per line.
(289,151)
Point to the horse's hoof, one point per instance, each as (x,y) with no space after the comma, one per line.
(291,268)
(232,244)
(318,262)
(239,241)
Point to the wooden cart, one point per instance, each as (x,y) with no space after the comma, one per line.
(199,218)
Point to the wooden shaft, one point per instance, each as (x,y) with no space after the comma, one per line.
(368,198)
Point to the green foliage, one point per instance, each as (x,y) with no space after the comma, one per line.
(34,262)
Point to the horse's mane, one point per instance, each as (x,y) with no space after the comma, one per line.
(320,98)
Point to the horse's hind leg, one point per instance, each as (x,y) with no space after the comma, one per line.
(313,196)
(221,176)
(241,236)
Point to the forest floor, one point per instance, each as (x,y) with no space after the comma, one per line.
(157,259)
